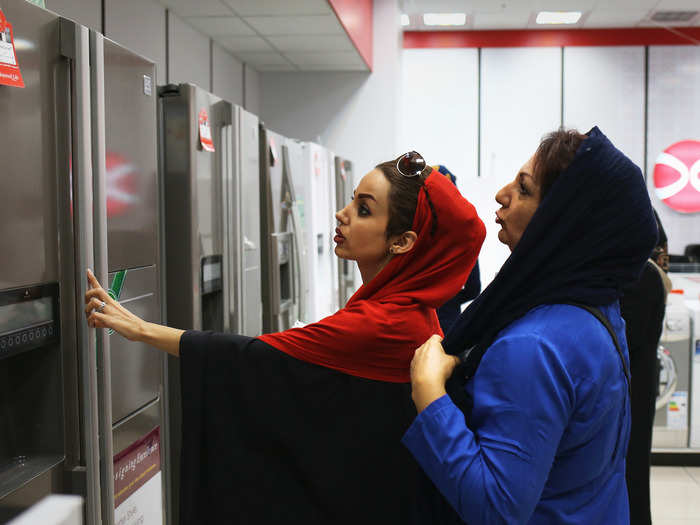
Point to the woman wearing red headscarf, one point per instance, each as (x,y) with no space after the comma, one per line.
(304,426)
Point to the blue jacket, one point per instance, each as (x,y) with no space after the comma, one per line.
(547,436)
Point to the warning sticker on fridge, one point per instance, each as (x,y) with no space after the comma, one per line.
(205,131)
(677,411)
(10,75)
(138,493)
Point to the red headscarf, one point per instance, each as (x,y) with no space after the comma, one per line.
(381,326)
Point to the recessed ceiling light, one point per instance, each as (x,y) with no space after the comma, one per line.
(444,19)
(405,20)
(558,17)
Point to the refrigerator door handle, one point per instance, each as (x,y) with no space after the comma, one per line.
(298,254)
(104,368)
(276,289)
(75,45)
(225,162)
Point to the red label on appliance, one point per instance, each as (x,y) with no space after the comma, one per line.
(677,176)
(317,167)
(10,74)
(205,131)
(136,465)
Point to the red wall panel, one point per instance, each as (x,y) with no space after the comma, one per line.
(356,18)
(553,37)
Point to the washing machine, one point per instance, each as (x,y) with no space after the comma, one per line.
(689,283)
(672,421)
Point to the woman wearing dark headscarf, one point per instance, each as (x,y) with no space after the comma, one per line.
(542,432)
(303,426)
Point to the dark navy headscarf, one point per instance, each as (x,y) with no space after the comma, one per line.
(589,238)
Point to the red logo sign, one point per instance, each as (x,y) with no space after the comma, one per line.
(677,176)
(10,74)
(122,181)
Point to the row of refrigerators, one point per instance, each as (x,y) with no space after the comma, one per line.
(187,207)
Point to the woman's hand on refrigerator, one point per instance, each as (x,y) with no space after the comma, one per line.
(430,369)
(104,312)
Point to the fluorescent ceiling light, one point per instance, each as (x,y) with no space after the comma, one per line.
(444,19)
(405,20)
(558,17)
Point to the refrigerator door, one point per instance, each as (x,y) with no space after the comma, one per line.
(329,166)
(319,216)
(132,218)
(131,158)
(130,204)
(248,173)
(294,152)
(343,195)
(278,239)
(39,429)
(196,196)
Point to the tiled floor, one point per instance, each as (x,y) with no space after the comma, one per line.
(675,495)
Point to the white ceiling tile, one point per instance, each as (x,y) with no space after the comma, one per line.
(334,58)
(335,67)
(197,8)
(678,5)
(637,5)
(220,25)
(244,43)
(564,5)
(276,67)
(296,25)
(262,58)
(446,6)
(614,18)
(510,20)
(312,43)
(277,7)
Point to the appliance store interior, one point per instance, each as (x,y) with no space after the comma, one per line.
(223,167)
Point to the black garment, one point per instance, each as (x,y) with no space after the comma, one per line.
(449,312)
(642,307)
(269,439)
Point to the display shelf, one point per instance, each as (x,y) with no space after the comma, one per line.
(22,469)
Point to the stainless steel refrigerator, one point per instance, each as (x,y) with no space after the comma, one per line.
(344,186)
(210,172)
(79,191)
(311,166)
(282,255)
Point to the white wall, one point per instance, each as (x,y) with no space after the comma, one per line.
(188,55)
(252,96)
(674,116)
(227,75)
(353,114)
(439,109)
(615,103)
(520,102)
(140,26)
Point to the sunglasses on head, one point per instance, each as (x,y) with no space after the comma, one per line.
(410,164)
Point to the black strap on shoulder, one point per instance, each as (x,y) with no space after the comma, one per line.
(595,312)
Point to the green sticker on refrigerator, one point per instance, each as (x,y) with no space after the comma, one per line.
(115,290)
